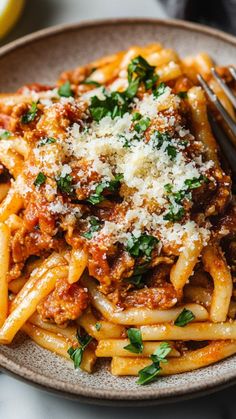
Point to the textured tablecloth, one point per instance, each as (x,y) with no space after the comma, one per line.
(21,401)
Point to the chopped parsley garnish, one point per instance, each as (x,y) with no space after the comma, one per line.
(116,104)
(47,140)
(4,135)
(150,83)
(76,354)
(195,182)
(141,246)
(168,187)
(185,317)
(141,269)
(64,183)
(132,89)
(159,138)
(111,186)
(142,124)
(136,116)
(40,179)
(136,280)
(94,226)
(174,214)
(98,326)
(150,373)
(171,151)
(136,343)
(97,197)
(159,90)
(176,209)
(92,83)
(140,71)
(183,95)
(30,115)
(65,90)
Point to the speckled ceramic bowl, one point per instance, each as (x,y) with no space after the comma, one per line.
(40,57)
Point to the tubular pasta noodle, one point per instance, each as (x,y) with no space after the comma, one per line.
(136,316)
(27,307)
(115,347)
(185,264)
(58,345)
(4,266)
(215,264)
(194,331)
(193,360)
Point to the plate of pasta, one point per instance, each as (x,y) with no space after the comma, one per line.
(117,213)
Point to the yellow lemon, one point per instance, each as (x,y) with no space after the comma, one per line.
(10,11)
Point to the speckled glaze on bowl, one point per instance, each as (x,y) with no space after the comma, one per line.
(40,57)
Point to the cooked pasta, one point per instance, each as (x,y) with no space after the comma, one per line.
(117,221)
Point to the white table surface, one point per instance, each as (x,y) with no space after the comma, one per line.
(21,401)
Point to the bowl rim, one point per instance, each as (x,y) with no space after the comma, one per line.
(88,23)
(81,392)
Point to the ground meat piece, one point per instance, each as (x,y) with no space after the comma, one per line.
(122,267)
(163,297)
(25,244)
(66,302)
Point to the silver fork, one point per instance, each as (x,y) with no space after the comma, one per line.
(226,145)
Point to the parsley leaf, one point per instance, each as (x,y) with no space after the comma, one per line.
(149,83)
(168,187)
(159,138)
(159,90)
(30,115)
(140,71)
(65,90)
(141,246)
(141,269)
(94,226)
(97,197)
(149,373)
(114,104)
(142,125)
(136,343)
(115,183)
(174,214)
(194,182)
(136,280)
(183,95)
(92,83)
(171,151)
(84,340)
(64,184)
(47,140)
(136,116)
(111,186)
(132,88)
(5,134)
(185,317)
(98,326)
(40,179)
(76,354)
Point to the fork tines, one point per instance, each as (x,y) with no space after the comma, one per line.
(226,145)
(213,98)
